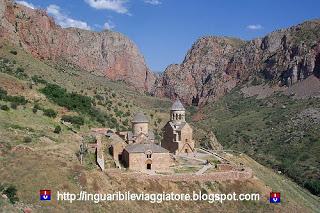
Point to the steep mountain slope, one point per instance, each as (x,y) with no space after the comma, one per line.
(278,131)
(31,153)
(215,65)
(107,53)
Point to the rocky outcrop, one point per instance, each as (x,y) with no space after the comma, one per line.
(215,65)
(202,67)
(106,53)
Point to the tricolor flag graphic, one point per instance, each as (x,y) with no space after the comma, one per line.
(45,194)
(274,197)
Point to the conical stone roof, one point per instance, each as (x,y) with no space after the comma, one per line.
(140,118)
(177,106)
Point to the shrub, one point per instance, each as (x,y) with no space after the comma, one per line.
(13,52)
(38,79)
(50,113)
(14,105)
(57,129)
(99,97)
(3,94)
(125,122)
(73,119)
(4,107)
(37,106)
(19,100)
(313,186)
(72,101)
(27,139)
(20,70)
(34,110)
(11,193)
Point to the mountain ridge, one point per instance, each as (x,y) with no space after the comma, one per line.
(105,53)
(212,67)
(215,65)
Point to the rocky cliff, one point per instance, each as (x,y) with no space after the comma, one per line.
(215,65)
(107,53)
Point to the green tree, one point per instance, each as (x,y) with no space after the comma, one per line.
(4,107)
(57,129)
(50,113)
(11,193)
(27,139)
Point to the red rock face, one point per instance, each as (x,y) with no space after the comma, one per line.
(107,53)
(215,65)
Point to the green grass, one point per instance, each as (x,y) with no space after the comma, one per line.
(266,130)
(116,101)
(290,191)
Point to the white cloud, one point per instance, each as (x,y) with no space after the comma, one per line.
(114,5)
(24,3)
(64,20)
(153,2)
(108,25)
(254,27)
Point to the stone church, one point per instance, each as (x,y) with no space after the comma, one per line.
(138,151)
(177,133)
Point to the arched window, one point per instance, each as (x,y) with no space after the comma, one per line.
(148,155)
(179,116)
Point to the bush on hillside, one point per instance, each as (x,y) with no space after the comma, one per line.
(13,105)
(34,110)
(3,94)
(13,52)
(19,100)
(38,79)
(73,119)
(4,108)
(57,129)
(27,139)
(50,113)
(313,186)
(11,193)
(72,101)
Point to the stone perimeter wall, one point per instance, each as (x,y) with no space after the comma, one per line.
(214,176)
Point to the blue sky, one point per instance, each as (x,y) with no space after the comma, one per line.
(164,30)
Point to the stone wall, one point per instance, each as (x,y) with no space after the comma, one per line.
(139,161)
(187,143)
(224,167)
(117,150)
(168,137)
(214,176)
(140,128)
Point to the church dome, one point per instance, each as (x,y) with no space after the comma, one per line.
(140,118)
(177,106)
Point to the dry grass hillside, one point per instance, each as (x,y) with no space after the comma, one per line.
(35,154)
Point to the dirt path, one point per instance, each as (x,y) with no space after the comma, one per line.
(203,169)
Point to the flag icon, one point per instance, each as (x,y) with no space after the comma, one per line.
(45,194)
(274,197)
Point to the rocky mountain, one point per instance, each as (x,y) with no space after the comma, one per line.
(211,68)
(215,65)
(106,53)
